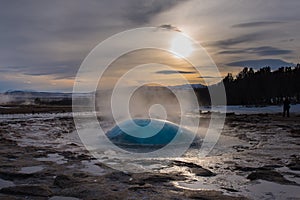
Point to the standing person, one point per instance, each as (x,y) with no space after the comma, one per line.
(286,107)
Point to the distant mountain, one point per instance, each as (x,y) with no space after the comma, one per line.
(16,91)
(188,86)
(155,88)
(29,93)
(257,64)
(33,93)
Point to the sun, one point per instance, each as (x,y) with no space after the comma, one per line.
(182,46)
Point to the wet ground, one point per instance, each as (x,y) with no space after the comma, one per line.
(256,157)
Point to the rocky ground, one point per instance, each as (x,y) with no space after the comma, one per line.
(25,109)
(42,159)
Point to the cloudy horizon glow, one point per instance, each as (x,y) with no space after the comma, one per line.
(44,42)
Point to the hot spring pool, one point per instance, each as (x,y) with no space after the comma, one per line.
(168,132)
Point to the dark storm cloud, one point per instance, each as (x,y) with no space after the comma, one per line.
(141,11)
(261,51)
(256,64)
(174,72)
(256,24)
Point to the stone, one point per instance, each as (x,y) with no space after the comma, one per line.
(269,175)
(63,181)
(194,168)
(31,190)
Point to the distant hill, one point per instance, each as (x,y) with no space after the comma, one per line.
(42,98)
(28,93)
(188,86)
(36,97)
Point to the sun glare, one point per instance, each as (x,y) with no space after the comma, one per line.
(182,46)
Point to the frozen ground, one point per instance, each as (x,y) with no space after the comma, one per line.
(256,157)
(253,109)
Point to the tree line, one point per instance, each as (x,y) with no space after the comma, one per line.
(261,87)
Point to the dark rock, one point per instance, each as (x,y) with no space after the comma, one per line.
(118,176)
(14,175)
(295,133)
(69,155)
(102,165)
(270,167)
(295,167)
(202,172)
(10,156)
(210,195)
(249,169)
(80,174)
(194,168)
(32,190)
(83,157)
(269,175)
(94,191)
(229,189)
(6,197)
(140,187)
(149,178)
(295,163)
(244,169)
(64,181)
(230,114)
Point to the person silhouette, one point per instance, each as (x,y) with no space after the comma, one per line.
(286,107)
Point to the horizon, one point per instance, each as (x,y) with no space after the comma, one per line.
(148,85)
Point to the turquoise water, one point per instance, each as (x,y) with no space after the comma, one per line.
(148,132)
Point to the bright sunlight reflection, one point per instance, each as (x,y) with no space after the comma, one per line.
(182,45)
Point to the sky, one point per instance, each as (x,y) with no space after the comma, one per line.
(43,43)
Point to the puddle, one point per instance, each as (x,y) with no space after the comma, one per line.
(53,157)
(90,167)
(31,170)
(196,185)
(5,183)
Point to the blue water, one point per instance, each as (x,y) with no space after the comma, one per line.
(138,135)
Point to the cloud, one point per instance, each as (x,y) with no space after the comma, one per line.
(256,24)
(174,72)
(53,37)
(238,40)
(261,51)
(169,27)
(59,70)
(256,64)
(141,11)
(207,77)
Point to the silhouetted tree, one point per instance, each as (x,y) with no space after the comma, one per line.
(260,87)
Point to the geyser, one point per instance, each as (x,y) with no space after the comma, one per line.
(137,135)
